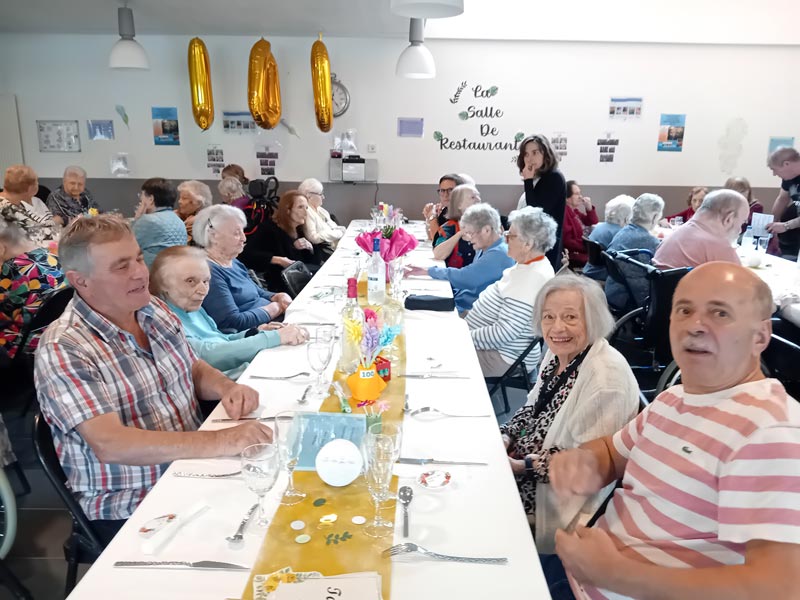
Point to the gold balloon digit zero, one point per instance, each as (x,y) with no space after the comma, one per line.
(200,84)
(321,84)
(263,86)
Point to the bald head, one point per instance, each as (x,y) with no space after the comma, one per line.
(719,326)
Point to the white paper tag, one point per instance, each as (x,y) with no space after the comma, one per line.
(355,586)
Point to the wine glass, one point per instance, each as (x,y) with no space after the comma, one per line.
(379,459)
(289,428)
(325,333)
(393,317)
(319,355)
(260,466)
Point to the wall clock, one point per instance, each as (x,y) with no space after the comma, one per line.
(341,96)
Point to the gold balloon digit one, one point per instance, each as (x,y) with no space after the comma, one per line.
(263,86)
(321,83)
(200,84)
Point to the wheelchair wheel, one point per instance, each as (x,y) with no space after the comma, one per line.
(8,515)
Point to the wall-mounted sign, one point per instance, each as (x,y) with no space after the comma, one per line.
(58,136)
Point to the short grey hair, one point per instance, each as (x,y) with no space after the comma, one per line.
(74,170)
(783,154)
(481,215)
(12,234)
(198,189)
(535,227)
(599,322)
(459,193)
(721,203)
(309,186)
(618,210)
(207,218)
(230,187)
(647,209)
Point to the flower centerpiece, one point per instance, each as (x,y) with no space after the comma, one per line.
(372,337)
(394,243)
(373,410)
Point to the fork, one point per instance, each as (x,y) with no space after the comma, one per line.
(281,377)
(410,548)
(435,411)
(205,475)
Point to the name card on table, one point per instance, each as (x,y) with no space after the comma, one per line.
(355,586)
(760,222)
(320,428)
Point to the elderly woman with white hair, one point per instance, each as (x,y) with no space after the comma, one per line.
(180,276)
(319,227)
(232,192)
(585,390)
(193,196)
(617,214)
(450,245)
(71,199)
(481,227)
(500,321)
(234,300)
(636,235)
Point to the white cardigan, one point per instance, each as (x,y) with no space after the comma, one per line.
(604,398)
(319,227)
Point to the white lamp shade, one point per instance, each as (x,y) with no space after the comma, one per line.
(128,54)
(427,9)
(416,62)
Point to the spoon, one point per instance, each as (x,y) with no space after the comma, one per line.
(236,539)
(281,377)
(435,411)
(405,494)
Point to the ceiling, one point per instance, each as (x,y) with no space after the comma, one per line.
(348,18)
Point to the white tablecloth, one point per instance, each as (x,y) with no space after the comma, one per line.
(480,515)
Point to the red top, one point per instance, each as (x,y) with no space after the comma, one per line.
(572,236)
(686,214)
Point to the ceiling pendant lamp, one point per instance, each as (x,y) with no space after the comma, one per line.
(127,53)
(427,9)
(416,61)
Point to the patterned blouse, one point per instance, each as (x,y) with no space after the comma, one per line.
(39,229)
(527,434)
(25,281)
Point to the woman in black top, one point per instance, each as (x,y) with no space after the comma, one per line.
(545,186)
(279,242)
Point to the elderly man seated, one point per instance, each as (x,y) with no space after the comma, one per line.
(180,276)
(119,384)
(710,485)
(709,235)
(481,226)
(71,199)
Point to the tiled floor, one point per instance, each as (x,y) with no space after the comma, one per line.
(37,557)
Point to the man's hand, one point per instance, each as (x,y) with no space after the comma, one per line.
(590,556)
(778,227)
(283,299)
(575,472)
(239,400)
(235,439)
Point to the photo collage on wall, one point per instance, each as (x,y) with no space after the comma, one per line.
(559,143)
(608,147)
(215,158)
(267,159)
(240,121)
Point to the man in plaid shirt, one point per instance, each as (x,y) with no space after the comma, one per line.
(118,383)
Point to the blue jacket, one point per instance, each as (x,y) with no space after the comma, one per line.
(468,282)
(234,301)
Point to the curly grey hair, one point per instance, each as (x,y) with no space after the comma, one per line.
(230,187)
(647,210)
(534,227)
(198,189)
(618,210)
(459,194)
(481,215)
(206,219)
(598,319)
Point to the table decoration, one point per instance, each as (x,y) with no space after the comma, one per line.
(374,336)
(394,243)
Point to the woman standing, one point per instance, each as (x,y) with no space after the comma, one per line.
(545,186)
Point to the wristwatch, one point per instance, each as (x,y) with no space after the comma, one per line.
(529,465)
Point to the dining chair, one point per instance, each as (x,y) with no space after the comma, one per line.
(296,276)
(516,376)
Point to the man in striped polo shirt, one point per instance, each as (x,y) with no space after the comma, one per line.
(710,500)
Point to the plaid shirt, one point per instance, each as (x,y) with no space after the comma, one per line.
(86,367)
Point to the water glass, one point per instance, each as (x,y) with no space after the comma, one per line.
(325,333)
(260,467)
(763,242)
(289,428)
(379,459)
(319,355)
(676,221)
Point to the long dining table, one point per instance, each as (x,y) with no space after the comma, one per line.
(479,515)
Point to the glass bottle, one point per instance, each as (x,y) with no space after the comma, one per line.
(376,275)
(352,317)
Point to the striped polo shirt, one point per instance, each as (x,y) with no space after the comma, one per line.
(86,367)
(705,475)
(502,317)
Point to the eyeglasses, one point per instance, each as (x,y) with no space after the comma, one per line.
(444,191)
(320,194)
(508,235)
(468,234)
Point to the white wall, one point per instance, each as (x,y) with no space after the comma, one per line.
(543,87)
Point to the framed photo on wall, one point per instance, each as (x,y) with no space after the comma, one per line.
(58,136)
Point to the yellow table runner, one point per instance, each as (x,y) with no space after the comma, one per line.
(324,553)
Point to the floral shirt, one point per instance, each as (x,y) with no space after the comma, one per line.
(25,281)
(527,434)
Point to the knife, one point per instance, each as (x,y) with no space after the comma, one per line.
(431,461)
(239,420)
(206,565)
(431,376)
(310,324)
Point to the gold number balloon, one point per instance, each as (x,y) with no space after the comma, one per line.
(263,86)
(321,83)
(200,83)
